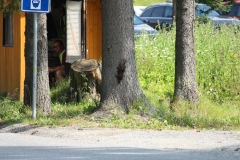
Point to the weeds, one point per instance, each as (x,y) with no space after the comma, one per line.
(218,74)
(11,110)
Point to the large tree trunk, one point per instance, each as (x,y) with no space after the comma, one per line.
(43,100)
(185,65)
(120,86)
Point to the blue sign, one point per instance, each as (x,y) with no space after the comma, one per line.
(43,6)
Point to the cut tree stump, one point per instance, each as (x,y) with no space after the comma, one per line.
(86,80)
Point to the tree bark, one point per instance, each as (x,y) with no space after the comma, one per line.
(185,64)
(43,100)
(28,60)
(120,86)
(86,80)
(174,10)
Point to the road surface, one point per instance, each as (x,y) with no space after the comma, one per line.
(29,143)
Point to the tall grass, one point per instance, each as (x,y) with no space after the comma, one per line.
(11,110)
(155,60)
(218,74)
(218,62)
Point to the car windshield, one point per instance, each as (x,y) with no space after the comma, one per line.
(137,20)
(204,10)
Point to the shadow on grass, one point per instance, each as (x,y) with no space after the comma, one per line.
(73,109)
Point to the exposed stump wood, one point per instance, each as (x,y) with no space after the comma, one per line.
(86,79)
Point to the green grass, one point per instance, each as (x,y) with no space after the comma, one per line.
(218,74)
(146,2)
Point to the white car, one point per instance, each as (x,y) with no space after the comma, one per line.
(138,9)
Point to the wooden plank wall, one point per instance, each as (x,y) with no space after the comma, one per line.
(12,62)
(22,53)
(94,29)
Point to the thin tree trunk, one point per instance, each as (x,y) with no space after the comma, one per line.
(174,10)
(28,60)
(185,67)
(43,91)
(120,86)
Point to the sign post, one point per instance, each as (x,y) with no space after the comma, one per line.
(35,6)
(34,91)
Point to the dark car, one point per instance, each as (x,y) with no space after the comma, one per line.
(234,10)
(160,14)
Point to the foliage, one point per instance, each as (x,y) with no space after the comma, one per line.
(10,5)
(218,65)
(60,91)
(213,3)
(218,74)
(217,4)
(10,109)
(156,63)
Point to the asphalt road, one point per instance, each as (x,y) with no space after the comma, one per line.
(110,144)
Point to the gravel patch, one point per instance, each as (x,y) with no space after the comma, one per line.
(221,143)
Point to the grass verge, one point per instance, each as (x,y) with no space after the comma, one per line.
(218,74)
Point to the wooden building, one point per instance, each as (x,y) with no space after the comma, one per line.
(12,43)
(12,61)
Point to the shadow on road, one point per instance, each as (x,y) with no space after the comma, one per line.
(58,153)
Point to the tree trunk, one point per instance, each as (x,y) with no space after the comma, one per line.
(43,100)
(86,80)
(185,64)
(174,10)
(28,83)
(120,86)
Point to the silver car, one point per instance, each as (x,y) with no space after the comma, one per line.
(214,16)
(140,27)
(161,13)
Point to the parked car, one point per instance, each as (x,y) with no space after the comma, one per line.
(160,14)
(140,26)
(202,10)
(234,10)
(138,9)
